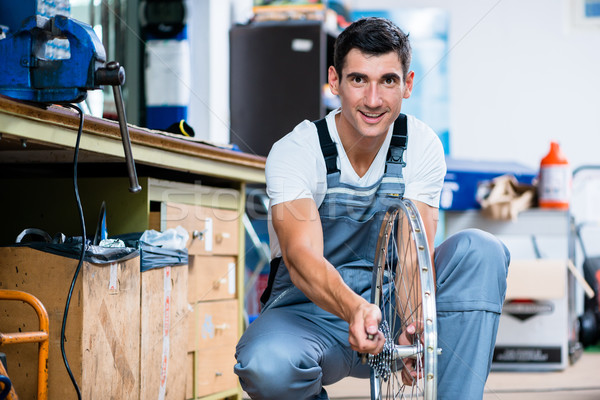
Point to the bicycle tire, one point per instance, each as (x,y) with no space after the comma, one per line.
(404,255)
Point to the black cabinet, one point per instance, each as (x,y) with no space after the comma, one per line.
(277,74)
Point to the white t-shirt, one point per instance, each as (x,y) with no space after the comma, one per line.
(296,168)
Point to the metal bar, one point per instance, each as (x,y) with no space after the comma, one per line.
(27,337)
(241,262)
(263,252)
(134,186)
(117,26)
(104,21)
(92,14)
(406,351)
(23,337)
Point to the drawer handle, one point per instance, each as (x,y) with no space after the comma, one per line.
(218,283)
(220,236)
(218,373)
(221,327)
(198,234)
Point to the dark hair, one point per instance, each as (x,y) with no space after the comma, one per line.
(373,36)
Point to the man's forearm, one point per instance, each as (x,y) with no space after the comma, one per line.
(322,283)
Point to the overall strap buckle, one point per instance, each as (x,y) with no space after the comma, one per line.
(399,142)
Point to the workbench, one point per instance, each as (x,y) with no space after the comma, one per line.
(184,182)
(50,137)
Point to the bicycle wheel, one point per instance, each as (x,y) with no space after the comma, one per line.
(403,288)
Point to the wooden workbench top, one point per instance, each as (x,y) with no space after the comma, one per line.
(56,128)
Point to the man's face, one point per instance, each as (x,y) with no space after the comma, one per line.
(371,90)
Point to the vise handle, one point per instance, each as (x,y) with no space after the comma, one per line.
(113,74)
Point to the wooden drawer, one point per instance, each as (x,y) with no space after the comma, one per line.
(214,370)
(215,324)
(211,230)
(211,278)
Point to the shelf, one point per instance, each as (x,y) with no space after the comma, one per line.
(535,221)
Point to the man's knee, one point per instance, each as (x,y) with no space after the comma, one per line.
(472,265)
(261,374)
(480,248)
(267,370)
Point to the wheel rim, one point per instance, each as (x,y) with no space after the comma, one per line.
(404,290)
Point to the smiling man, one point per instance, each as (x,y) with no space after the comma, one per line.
(329,184)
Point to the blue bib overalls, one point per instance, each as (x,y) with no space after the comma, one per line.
(294,347)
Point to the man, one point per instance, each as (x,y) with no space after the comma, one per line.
(328,185)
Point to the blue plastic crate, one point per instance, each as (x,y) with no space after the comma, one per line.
(464,177)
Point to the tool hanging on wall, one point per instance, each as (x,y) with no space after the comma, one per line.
(29,76)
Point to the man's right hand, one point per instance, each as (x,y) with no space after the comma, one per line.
(409,374)
(364,334)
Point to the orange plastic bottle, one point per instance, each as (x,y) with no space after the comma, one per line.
(554,190)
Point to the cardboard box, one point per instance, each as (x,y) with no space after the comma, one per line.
(464,177)
(535,325)
(102,333)
(164,313)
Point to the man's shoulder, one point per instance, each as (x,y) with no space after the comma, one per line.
(303,136)
(297,150)
(421,134)
(295,165)
(416,125)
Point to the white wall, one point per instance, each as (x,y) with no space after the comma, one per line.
(520,76)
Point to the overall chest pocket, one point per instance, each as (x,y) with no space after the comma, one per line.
(350,241)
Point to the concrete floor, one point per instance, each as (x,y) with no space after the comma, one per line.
(580,381)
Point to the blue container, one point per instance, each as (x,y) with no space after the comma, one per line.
(464,177)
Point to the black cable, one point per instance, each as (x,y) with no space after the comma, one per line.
(83,248)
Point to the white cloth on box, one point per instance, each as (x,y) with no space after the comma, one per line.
(172,238)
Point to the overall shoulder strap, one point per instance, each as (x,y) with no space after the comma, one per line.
(399,141)
(328,147)
(392,183)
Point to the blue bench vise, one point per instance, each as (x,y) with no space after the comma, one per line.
(30,76)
